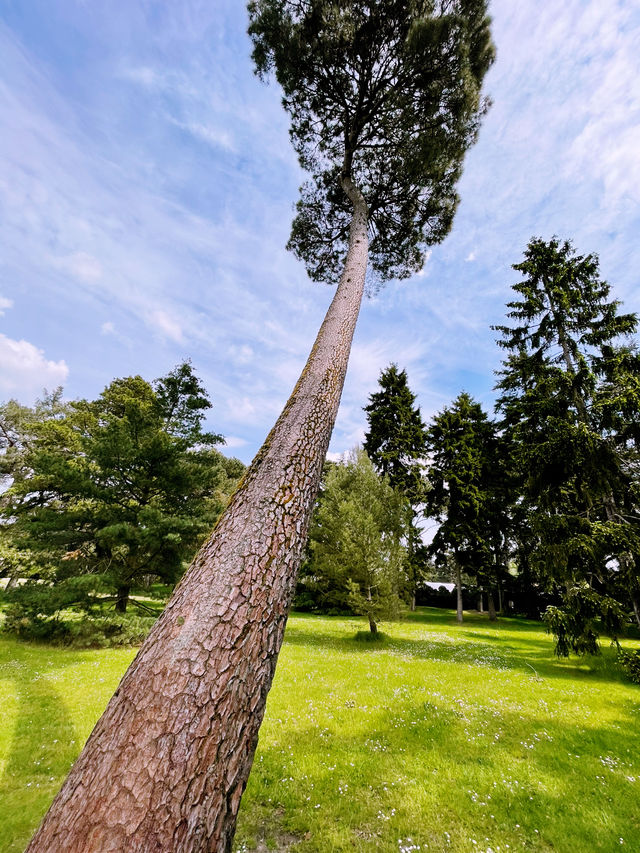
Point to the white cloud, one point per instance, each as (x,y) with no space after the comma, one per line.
(240,409)
(4,304)
(81,265)
(470,257)
(143,75)
(24,370)
(337,457)
(241,354)
(168,326)
(232,441)
(214,136)
(108,328)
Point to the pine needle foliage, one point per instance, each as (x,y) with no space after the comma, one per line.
(569,398)
(387,94)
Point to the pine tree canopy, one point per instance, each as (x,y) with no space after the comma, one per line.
(124,485)
(396,439)
(386,94)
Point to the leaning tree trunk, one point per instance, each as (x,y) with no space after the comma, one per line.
(167,763)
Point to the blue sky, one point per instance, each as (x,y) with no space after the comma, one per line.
(147,186)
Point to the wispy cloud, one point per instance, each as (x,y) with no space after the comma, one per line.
(80,265)
(147,190)
(166,325)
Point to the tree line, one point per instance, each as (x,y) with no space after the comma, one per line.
(538,503)
(540,500)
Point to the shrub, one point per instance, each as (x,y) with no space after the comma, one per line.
(68,614)
(630,663)
(369,637)
(108,631)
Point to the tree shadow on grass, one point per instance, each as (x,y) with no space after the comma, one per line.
(43,747)
(534,656)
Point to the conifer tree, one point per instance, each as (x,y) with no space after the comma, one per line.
(570,401)
(461,441)
(119,487)
(396,439)
(357,541)
(396,444)
(384,100)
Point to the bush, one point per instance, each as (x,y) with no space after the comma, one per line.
(22,622)
(370,637)
(70,628)
(630,663)
(108,631)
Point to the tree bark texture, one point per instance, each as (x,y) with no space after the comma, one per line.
(167,763)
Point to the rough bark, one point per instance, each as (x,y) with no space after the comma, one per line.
(166,765)
(636,608)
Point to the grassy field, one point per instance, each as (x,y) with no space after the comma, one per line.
(441,739)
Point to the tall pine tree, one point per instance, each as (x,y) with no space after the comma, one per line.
(569,399)
(384,100)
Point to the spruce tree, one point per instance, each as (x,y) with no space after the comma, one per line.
(396,444)
(396,439)
(569,399)
(461,443)
(384,100)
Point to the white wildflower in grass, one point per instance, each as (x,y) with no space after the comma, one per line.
(407,845)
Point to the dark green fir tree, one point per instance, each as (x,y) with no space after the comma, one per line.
(396,438)
(569,399)
(462,447)
(396,444)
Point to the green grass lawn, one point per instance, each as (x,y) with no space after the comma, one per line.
(444,738)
